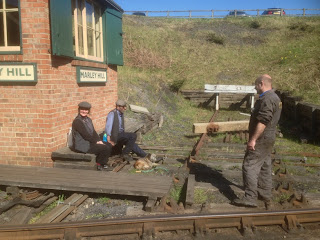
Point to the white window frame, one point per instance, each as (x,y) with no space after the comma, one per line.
(84,30)
(7,48)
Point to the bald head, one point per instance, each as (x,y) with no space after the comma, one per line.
(263,83)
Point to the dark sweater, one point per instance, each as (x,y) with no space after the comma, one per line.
(83,134)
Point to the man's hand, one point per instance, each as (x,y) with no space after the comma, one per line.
(256,134)
(109,141)
(100,142)
(251,144)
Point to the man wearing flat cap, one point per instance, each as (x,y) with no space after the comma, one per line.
(86,140)
(116,134)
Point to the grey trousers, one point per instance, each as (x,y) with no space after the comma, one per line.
(257,171)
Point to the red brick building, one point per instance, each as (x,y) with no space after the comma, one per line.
(53,55)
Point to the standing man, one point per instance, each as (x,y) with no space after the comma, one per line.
(257,166)
(116,134)
(86,140)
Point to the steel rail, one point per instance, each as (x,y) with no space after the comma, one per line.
(149,226)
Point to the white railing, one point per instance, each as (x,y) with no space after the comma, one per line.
(304,12)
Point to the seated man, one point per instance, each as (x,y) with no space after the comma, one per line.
(116,134)
(86,140)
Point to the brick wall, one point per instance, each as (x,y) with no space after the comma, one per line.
(36,117)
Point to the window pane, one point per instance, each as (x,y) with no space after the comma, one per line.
(80,40)
(13,29)
(97,32)
(79,12)
(89,10)
(1,4)
(90,42)
(80,27)
(11,3)
(97,18)
(98,46)
(1,30)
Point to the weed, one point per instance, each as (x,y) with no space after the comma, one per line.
(127,202)
(235,167)
(200,195)
(214,38)
(61,199)
(218,168)
(176,192)
(314,190)
(43,212)
(255,24)
(178,165)
(301,26)
(176,85)
(282,198)
(311,170)
(104,200)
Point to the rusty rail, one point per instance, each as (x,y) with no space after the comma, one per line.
(150,226)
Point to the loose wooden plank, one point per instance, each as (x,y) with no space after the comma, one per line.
(223,126)
(60,209)
(138,109)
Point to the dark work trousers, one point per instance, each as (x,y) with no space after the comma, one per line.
(129,141)
(102,152)
(257,171)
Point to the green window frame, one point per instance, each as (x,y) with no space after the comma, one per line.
(10,25)
(87,30)
(69,20)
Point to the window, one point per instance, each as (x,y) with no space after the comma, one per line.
(87,30)
(9,25)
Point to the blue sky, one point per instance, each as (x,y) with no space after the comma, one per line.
(162,5)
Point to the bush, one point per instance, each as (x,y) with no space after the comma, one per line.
(176,85)
(214,38)
(301,27)
(255,25)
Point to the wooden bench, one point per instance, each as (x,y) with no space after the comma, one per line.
(237,89)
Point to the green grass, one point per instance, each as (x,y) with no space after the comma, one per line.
(162,56)
(176,192)
(104,200)
(60,199)
(186,53)
(282,198)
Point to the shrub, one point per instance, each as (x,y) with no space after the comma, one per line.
(255,25)
(176,85)
(214,38)
(301,27)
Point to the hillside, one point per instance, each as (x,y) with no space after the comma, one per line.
(188,53)
(164,55)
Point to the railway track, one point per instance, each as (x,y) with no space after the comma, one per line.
(197,224)
(149,227)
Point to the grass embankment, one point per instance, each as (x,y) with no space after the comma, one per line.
(165,55)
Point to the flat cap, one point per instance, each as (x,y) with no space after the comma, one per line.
(84,105)
(121,103)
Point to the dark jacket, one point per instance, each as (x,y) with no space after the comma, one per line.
(267,110)
(83,134)
(115,126)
